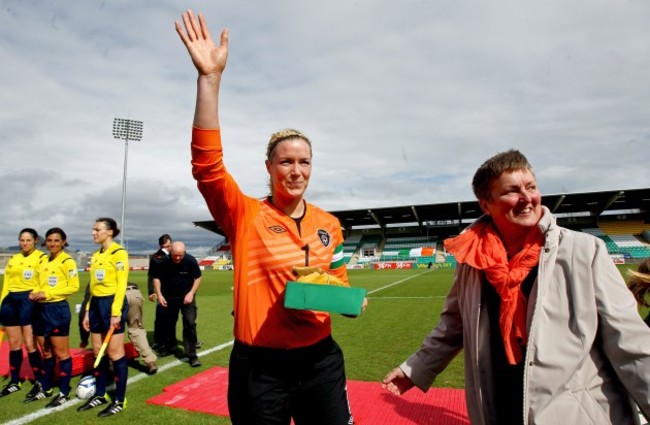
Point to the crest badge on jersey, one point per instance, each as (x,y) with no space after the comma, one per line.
(324,237)
(28,274)
(119,265)
(99,274)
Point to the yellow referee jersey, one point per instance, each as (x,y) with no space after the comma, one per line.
(21,273)
(109,272)
(58,278)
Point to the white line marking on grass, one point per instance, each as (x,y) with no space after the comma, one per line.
(74,400)
(408,298)
(398,282)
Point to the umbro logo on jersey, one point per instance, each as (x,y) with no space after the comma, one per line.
(277,229)
(324,237)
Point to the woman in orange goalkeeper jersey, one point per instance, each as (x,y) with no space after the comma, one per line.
(284,363)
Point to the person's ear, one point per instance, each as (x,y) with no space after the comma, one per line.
(485,206)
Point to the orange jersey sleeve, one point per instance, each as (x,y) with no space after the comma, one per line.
(266,244)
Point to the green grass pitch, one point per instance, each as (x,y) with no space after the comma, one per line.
(403,307)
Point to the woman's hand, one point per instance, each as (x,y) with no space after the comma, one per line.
(116,322)
(397,382)
(36,296)
(206,56)
(86,323)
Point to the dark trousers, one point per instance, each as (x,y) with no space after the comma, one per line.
(168,319)
(161,334)
(270,386)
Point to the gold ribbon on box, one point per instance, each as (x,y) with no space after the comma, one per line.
(316,275)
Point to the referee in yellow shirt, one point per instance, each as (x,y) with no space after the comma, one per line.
(58,279)
(107,308)
(21,278)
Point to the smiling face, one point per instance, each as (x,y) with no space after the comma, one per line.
(27,242)
(514,203)
(54,243)
(289,169)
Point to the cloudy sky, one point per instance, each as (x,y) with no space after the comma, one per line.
(403,100)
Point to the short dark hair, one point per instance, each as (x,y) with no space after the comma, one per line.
(511,160)
(110,225)
(164,238)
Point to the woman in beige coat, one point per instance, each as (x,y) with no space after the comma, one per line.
(549,331)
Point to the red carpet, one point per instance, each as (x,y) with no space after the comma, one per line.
(82,360)
(206,393)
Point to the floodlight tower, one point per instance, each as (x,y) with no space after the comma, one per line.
(127,130)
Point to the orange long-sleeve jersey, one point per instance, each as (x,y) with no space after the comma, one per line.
(266,243)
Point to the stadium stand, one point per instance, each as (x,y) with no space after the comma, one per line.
(219,255)
(622,226)
(350,248)
(620,217)
(369,246)
(405,248)
(622,237)
(208,261)
(223,251)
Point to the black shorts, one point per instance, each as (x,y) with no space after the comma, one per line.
(51,319)
(99,314)
(16,309)
(271,386)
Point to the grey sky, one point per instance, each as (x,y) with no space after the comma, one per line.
(402,100)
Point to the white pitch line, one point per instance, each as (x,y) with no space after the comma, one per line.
(408,298)
(398,282)
(74,400)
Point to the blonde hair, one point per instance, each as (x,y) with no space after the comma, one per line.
(639,282)
(282,135)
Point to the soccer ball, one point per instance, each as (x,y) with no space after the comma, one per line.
(86,387)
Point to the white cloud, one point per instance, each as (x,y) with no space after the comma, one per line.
(403,100)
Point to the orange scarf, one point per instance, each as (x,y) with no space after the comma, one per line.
(481,247)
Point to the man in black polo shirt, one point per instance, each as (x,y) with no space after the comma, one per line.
(176,282)
(162,255)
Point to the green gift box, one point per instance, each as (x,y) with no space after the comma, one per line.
(330,298)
